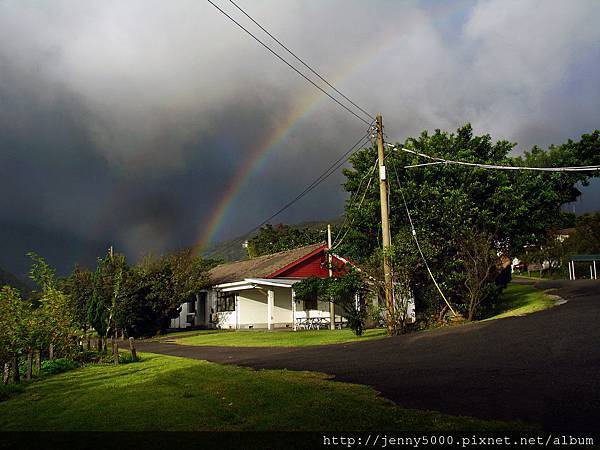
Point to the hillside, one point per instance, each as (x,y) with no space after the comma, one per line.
(7,278)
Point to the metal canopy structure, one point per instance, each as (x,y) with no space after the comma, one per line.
(583,258)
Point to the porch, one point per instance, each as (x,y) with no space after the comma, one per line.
(263,303)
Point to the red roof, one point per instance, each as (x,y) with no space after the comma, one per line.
(313,264)
(302,262)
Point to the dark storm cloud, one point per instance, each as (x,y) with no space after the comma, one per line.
(123,122)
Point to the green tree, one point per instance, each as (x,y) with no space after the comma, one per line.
(347,291)
(516,208)
(586,239)
(53,321)
(273,239)
(80,288)
(14,333)
(108,280)
(481,266)
(155,289)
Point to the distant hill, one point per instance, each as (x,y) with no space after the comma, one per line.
(234,250)
(7,278)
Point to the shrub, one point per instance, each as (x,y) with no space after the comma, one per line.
(126,358)
(87,356)
(8,390)
(58,366)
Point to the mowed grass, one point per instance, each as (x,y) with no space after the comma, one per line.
(261,338)
(168,393)
(520,299)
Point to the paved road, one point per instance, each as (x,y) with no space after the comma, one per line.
(542,368)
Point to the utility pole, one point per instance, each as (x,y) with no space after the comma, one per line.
(330,261)
(385,228)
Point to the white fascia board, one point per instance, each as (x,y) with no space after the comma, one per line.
(228,285)
(250,283)
(241,287)
(265,282)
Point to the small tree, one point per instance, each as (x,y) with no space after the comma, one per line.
(155,288)
(107,283)
(346,291)
(53,321)
(480,260)
(80,288)
(14,334)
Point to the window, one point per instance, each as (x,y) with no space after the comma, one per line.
(225,301)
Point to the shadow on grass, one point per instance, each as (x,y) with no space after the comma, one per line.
(168,393)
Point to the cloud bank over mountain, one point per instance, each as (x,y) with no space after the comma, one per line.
(125,122)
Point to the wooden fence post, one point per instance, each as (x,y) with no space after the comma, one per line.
(115,349)
(132,349)
(38,362)
(15,370)
(28,367)
(6,373)
(51,352)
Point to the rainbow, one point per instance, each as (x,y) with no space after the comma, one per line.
(261,151)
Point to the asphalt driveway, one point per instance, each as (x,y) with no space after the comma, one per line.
(542,368)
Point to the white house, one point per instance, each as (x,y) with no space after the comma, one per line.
(259,293)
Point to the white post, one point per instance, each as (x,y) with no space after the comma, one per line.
(570,274)
(595,273)
(237,312)
(270,303)
(591,273)
(294,310)
(573,263)
(329,262)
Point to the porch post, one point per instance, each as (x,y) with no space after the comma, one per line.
(573,265)
(294,310)
(270,303)
(595,273)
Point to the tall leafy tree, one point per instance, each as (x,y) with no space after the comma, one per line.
(515,208)
(108,281)
(273,239)
(80,288)
(14,333)
(155,289)
(53,321)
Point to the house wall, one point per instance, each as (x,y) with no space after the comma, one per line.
(201,315)
(251,311)
(252,308)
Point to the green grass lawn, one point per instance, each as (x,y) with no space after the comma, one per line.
(167,393)
(262,338)
(520,299)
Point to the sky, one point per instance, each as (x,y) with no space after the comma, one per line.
(153,125)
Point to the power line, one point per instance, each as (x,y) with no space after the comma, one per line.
(305,64)
(414,235)
(491,166)
(287,63)
(369,174)
(320,179)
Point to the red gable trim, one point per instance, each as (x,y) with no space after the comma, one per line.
(297,262)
